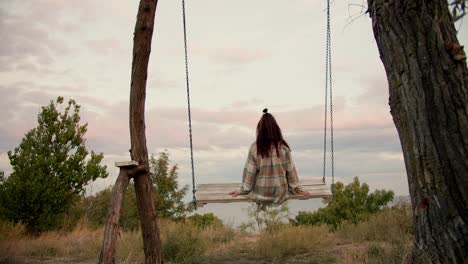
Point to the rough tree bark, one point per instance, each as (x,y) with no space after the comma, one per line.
(143,186)
(427,78)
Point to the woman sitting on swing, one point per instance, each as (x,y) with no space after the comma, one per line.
(269,173)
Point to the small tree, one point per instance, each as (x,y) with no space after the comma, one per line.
(96,208)
(352,203)
(51,166)
(169,198)
(265,218)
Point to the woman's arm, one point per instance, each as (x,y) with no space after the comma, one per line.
(250,173)
(291,176)
(248,176)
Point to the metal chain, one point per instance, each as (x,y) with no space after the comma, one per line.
(328,85)
(331,93)
(188,105)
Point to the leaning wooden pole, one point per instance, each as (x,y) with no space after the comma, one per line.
(143,186)
(139,153)
(112,223)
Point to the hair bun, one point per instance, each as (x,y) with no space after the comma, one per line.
(265,110)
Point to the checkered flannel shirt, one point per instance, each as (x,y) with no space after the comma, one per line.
(269,180)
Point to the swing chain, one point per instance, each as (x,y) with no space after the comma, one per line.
(188,106)
(331,93)
(328,85)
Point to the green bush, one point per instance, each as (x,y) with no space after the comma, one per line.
(182,244)
(270,218)
(351,203)
(205,220)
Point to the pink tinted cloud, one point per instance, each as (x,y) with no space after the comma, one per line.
(168,126)
(231,55)
(103,45)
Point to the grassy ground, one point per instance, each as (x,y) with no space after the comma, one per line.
(384,238)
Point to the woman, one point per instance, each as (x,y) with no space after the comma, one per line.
(269,173)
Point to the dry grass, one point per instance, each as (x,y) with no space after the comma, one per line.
(384,238)
(10,235)
(185,243)
(286,242)
(387,236)
(182,243)
(80,243)
(390,225)
(376,253)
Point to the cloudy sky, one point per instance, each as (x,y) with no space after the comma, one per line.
(244,56)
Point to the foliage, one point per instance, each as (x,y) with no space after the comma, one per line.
(169,198)
(168,202)
(205,220)
(182,245)
(265,218)
(184,242)
(96,208)
(352,203)
(51,167)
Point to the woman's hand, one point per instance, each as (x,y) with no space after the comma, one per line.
(301,192)
(234,193)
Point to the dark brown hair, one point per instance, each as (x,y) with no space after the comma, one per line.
(268,134)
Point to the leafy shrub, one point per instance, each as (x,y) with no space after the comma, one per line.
(352,203)
(182,244)
(205,220)
(269,218)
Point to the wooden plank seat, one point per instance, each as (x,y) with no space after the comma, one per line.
(218,192)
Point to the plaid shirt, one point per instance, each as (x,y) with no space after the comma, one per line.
(269,180)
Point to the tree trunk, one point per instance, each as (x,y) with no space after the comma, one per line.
(143,186)
(112,224)
(427,78)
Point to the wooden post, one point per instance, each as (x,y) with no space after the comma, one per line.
(112,223)
(128,169)
(143,186)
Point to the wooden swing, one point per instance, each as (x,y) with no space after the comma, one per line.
(316,186)
(218,192)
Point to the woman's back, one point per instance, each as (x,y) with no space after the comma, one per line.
(269,179)
(269,173)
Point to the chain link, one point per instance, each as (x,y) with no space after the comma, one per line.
(328,86)
(331,92)
(188,106)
